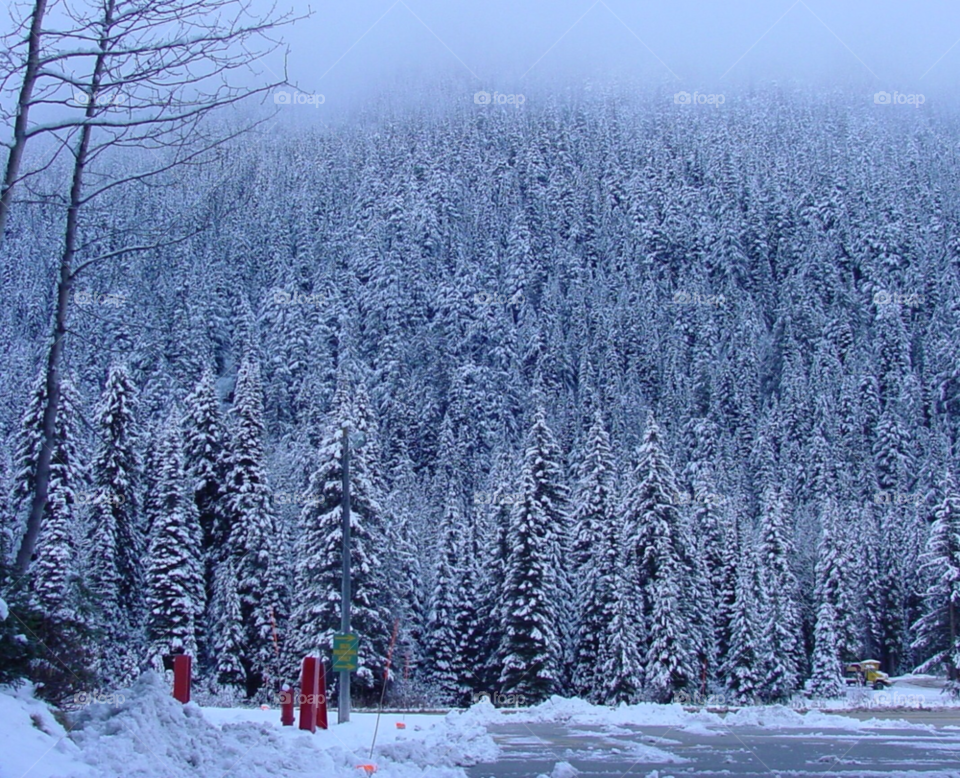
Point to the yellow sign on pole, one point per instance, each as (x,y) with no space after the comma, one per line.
(345,652)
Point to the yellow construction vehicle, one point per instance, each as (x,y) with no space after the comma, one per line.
(866,673)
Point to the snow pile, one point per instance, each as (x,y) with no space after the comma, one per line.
(148,734)
(32,741)
(652,755)
(485,712)
(782,717)
(562,770)
(562,710)
(459,739)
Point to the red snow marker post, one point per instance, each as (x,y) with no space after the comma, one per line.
(181,677)
(308,693)
(286,706)
(313,694)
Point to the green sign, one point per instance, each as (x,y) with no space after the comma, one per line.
(345,652)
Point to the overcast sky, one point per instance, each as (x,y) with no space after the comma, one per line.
(349,47)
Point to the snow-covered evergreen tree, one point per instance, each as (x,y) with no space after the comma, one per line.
(743,667)
(531,651)
(116,543)
(470,633)
(668,667)
(55,570)
(707,543)
(204,452)
(826,677)
(442,638)
(316,616)
(27,444)
(618,676)
(205,463)
(173,573)
(496,508)
(228,651)
(663,585)
(597,558)
(938,629)
(253,538)
(53,598)
(835,579)
(783,657)
(726,591)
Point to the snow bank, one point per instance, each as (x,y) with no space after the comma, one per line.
(561,710)
(782,717)
(148,734)
(909,692)
(460,739)
(32,741)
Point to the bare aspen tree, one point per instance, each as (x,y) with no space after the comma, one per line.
(145,76)
(29,31)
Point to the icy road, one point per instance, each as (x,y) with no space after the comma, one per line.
(551,749)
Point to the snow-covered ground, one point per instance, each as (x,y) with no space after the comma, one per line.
(147,734)
(559,710)
(151,735)
(908,692)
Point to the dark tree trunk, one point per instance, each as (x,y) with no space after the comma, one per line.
(31,69)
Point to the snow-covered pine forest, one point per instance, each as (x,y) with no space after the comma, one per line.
(651,399)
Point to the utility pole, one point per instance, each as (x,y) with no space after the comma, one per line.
(343,707)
